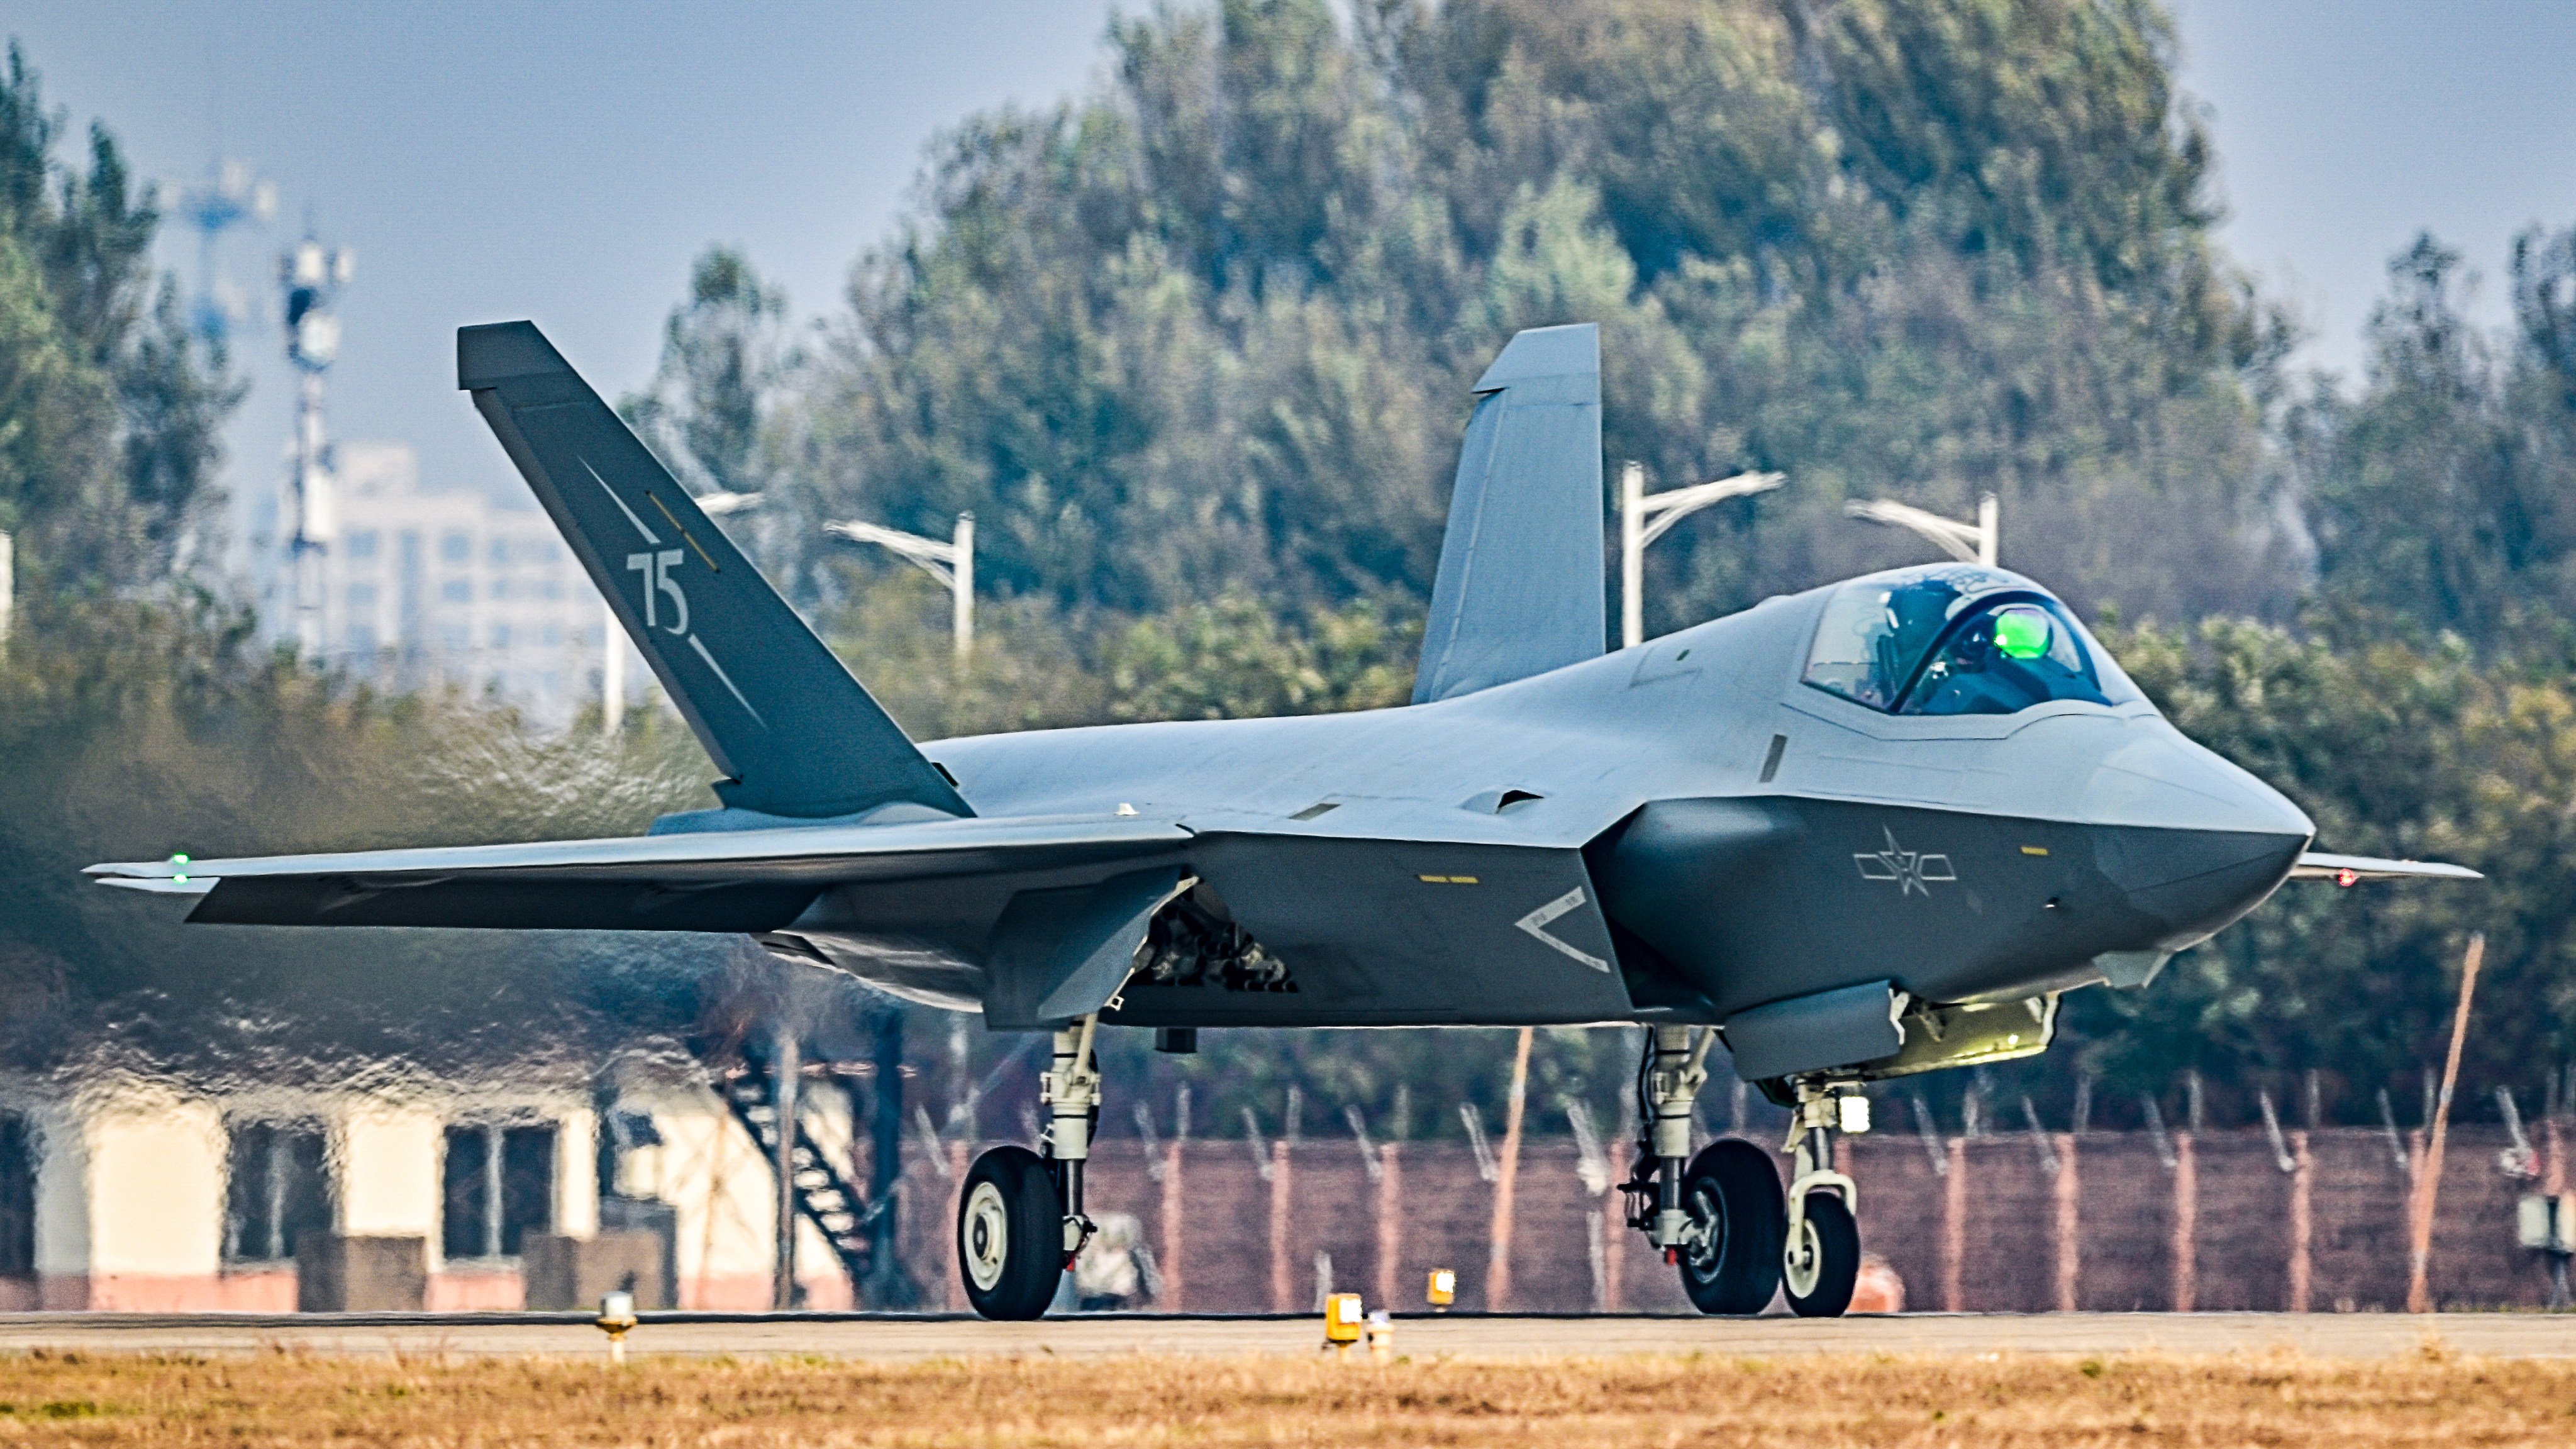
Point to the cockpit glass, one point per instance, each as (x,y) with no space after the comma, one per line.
(1957,639)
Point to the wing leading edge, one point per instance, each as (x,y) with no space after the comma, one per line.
(749,880)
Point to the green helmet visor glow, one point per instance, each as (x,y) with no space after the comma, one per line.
(2021,633)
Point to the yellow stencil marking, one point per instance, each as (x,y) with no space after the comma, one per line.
(684,532)
(1447,879)
(2034,850)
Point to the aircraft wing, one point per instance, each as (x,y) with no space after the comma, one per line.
(2349,869)
(746,880)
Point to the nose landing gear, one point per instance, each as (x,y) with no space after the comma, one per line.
(1720,1216)
(1020,1222)
(1820,1257)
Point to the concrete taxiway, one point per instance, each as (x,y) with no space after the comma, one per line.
(913,1337)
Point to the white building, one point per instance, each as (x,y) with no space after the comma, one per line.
(429,586)
(138,1197)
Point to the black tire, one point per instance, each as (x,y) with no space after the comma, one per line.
(1835,1240)
(1010,1234)
(1732,1190)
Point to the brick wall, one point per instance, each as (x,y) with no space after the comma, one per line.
(1997,1213)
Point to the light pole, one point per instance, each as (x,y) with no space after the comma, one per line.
(312,277)
(612,635)
(1974,543)
(952,563)
(1667,509)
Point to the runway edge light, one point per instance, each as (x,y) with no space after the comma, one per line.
(1343,1317)
(616,1318)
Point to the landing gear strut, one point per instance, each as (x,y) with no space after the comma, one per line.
(1820,1258)
(1020,1222)
(1720,1216)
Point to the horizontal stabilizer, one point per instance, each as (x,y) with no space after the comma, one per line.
(745,880)
(1519,591)
(2347,869)
(775,709)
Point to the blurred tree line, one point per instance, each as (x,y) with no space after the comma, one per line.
(1194,347)
(1211,328)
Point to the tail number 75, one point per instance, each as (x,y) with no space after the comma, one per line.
(658,580)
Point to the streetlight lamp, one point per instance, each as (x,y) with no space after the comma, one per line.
(1666,508)
(1974,543)
(952,563)
(612,636)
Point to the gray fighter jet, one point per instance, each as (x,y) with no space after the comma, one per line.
(1869,830)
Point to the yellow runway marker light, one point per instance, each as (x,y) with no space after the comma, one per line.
(1343,1319)
(1443,1288)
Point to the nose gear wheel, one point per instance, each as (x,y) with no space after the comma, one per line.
(1820,1268)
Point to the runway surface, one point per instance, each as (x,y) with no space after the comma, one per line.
(851,1336)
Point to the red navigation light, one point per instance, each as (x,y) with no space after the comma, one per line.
(2347,876)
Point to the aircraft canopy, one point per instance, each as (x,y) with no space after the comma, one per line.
(1957,639)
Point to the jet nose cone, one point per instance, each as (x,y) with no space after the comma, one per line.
(2158,778)
(2191,884)
(2192,841)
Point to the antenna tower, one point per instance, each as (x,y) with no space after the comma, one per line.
(233,195)
(311,276)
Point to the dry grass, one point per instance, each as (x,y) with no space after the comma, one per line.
(1821,1402)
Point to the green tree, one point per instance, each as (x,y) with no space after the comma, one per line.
(2445,492)
(1210,328)
(723,357)
(109,410)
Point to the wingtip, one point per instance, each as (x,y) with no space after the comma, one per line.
(195,885)
(138,869)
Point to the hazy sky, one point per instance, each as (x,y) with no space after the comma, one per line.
(2345,127)
(564,162)
(561,162)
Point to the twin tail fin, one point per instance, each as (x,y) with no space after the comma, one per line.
(782,718)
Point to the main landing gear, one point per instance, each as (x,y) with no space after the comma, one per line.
(1720,1214)
(1020,1222)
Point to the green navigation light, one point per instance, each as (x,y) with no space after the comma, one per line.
(2021,633)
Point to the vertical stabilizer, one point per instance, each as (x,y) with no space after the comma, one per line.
(774,708)
(1520,585)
